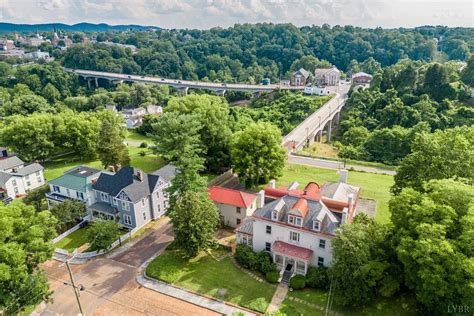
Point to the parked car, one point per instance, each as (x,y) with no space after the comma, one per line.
(265,81)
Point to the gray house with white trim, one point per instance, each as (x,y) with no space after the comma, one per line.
(131,196)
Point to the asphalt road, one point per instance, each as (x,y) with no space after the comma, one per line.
(330,164)
(110,286)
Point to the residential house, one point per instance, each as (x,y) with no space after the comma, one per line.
(327,76)
(37,55)
(6,45)
(361,78)
(134,117)
(75,184)
(131,196)
(300,77)
(297,226)
(16,177)
(234,206)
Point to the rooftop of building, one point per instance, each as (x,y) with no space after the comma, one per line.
(231,197)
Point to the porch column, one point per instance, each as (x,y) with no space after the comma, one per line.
(305,267)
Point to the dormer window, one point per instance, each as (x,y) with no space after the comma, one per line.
(316,226)
(295,220)
(274,216)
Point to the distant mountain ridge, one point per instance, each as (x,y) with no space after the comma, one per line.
(83,27)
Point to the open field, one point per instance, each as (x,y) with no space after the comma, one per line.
(374,186)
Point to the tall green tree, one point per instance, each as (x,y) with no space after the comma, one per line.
(364,266)
(443,154)
(436,82)
(433,243)
(257,155)
(178,140)
(111,148)
(195,221)
(102,234)
(467,75)
(68,213)
(213,114)
(25,243)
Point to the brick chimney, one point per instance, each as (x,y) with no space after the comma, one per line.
(139,175)
(272,184)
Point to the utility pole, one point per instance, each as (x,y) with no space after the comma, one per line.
(74,287)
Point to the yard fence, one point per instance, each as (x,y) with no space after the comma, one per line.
(68,232)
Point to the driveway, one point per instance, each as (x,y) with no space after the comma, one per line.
(110,285)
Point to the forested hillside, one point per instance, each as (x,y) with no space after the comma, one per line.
(248,53)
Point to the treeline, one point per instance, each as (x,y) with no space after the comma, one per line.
(381,123)
(248,53)
(42,135)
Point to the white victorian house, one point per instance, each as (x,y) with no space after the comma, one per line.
(297,226)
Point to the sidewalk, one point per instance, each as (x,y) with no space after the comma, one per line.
(278,298)
(184,295)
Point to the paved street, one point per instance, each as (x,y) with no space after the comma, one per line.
(331,164)
(110,285)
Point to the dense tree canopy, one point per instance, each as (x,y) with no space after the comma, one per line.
(25,242)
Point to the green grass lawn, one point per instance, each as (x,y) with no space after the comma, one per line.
(374,186)
(401,305)
(133,135)
(148,163)
(73,241)
(205,275)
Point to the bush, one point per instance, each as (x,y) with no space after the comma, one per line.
(243,255)
(265,262)
(298,282)
(272,276)
(142,153)
(318,278)
(143,145)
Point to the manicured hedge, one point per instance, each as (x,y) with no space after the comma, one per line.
(272,276)
(298,282)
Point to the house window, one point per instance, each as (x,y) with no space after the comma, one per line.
(28,183)
(27,177)
(125,206)
(238,221)
(294,220)
(37,173)
(294,237)
(80,195)
(316,226)
(67,192)
(269,229)
(114,201)
(274,215)
(104,197)
(320,261)
(14,182)
(143,202)
(144,216)
(55,188)
(159,209)
(322,243)
(127,219)
(298,221)
(239,210)
(39,179)
(16,190)
(291,219)
(268,246)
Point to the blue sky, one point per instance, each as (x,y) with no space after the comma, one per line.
(210,13)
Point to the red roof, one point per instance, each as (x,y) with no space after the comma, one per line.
(292,250)
(311,191)
(302,206)
(231,197)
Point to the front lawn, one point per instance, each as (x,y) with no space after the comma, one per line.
(374,186)
(74,240)
(148,163)
(133,135)
(302,302)
(206,275)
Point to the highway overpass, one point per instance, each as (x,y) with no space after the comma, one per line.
(320,122)
(182,85)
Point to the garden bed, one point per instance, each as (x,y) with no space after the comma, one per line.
(213,274)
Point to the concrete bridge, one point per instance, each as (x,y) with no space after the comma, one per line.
(319,123)
(180,85)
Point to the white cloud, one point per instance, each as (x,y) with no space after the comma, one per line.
(209,13)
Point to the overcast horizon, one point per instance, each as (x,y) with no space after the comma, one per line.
(204,14)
